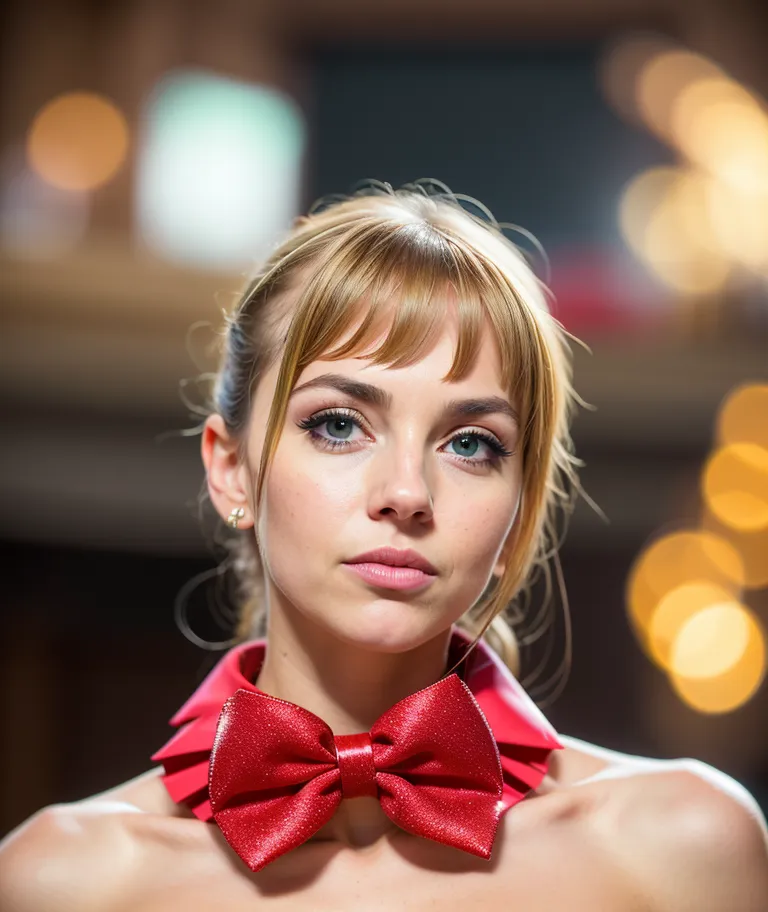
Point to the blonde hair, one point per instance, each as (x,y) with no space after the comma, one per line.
(355,256)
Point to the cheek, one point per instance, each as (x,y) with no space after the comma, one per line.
(478,530)
(305,512)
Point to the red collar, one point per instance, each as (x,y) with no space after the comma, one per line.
(514,719)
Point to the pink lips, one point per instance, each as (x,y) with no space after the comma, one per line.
(392,577)
(393,568)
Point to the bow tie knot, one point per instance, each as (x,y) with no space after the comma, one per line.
(354,755)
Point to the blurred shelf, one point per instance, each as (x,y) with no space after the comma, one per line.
(106,330)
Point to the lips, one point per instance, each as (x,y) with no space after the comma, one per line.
(395,558)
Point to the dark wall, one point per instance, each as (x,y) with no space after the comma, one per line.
(525,130)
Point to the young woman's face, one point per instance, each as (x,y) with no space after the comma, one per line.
(351,475)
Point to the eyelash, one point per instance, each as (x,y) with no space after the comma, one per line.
(309,424)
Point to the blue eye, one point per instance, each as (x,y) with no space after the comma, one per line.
(345,422)
(326,418)
(470,438)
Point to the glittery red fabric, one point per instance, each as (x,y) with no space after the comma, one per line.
(276,775)
(445,762)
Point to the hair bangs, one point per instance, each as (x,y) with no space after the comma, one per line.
(399,283)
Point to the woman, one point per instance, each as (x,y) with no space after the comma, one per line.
(390,441)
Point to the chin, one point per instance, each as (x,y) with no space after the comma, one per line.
(379,621)
(385,625)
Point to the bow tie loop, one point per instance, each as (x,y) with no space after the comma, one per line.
(354,755)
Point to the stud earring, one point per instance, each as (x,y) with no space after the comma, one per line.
(235,516)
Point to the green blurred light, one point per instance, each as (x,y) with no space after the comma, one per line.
(219,168)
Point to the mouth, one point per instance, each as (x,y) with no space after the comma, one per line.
(386,576)
(395,559)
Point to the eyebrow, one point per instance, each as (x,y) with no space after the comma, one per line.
(375,395)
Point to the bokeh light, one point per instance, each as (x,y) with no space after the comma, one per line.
(674,560)
(735,486)
(739,220)
(219,169)
(722,127)
(717,660)
(693,225)
(675,609)
(743,415)
(751,546)
(660,82)
(78,141)
(640,198)
(664,217)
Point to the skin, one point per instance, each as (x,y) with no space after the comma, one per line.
(604,830)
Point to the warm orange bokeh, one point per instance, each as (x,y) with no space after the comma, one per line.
(78,141)
(675,560)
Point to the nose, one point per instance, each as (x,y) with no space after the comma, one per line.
(400,486)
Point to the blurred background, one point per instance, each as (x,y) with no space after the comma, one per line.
(152,152)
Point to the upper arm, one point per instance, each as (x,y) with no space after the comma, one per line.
(700,844)
(58,862)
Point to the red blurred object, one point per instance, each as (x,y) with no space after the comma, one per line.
(597,289)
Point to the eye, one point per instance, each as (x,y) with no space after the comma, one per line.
(342,422)
(470,439)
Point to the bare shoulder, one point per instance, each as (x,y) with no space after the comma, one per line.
(64,857)
(80,855)
(687,834)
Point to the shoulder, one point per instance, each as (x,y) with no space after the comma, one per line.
(690,836)
(80,855)
(65,857)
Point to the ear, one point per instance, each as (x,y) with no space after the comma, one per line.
(226,475)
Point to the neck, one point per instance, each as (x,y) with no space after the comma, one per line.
(348,687)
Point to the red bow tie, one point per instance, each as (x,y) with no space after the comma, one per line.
(278,773)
